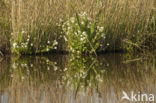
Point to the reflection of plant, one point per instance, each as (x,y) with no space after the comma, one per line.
(34,67)
(83,34)
(83,73)
(5,73)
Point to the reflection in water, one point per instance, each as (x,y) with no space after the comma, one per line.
(72,79)
(83,73)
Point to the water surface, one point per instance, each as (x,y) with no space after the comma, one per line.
(72,79)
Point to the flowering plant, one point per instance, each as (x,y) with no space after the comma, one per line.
(83,34)
(26,43)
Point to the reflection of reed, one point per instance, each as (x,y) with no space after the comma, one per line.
(135,76)
(46,86)
(4,72)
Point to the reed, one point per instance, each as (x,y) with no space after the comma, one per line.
(5,28)
(34,24)
(127,24)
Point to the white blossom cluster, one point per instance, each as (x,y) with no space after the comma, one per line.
(17,45)
(26,43)
(78,33)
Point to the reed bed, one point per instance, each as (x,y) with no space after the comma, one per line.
(35,24)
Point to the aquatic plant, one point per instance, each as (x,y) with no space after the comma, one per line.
(27,45)
(83,33)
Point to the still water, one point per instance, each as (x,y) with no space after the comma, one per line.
(72,79)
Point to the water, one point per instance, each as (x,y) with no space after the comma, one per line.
(71,79)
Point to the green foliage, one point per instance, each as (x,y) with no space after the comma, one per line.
(83,34)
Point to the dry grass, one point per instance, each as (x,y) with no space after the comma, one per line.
(5,28)
(127,20)
(36,18)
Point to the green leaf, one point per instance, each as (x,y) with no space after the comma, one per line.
(78,20)
(20,37)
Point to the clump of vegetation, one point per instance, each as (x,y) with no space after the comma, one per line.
(83,34)
(27,45)
(34,26)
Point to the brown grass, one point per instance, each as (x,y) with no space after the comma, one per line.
(123,20)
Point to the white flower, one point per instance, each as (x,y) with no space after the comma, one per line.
(14,45)
(47,60)
(101,29)
(82,23)
(47,49)
(55,47)
(72,19)
(57,24)
(65,38)
(55,43)
(84,33)
(89,18)
(83,14)
(22,44)
(103,36)
(48,42)
(75,33)
(22,78)
(27,39)
(48,68)
(23,31)
(31,65)
(55,68)
(14,66)
(78,51)
(107,44)
(61,20)
(31,44)
(69,28)
(68,24)
(81,39)
(65,69)
(25,64)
